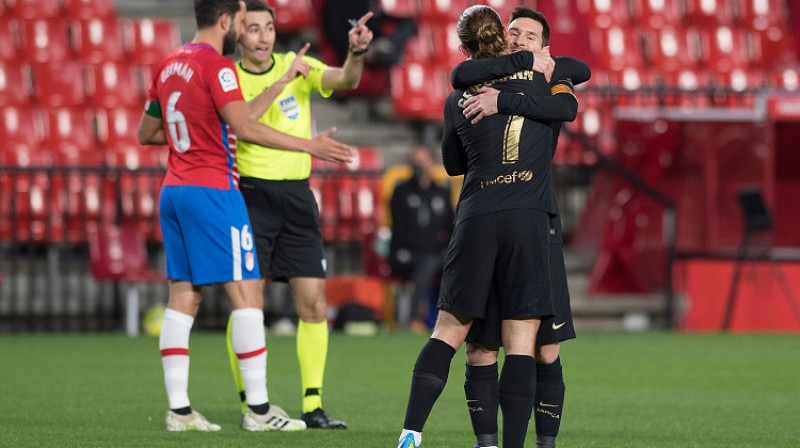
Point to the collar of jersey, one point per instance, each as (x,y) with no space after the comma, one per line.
(198,45)
(272,56)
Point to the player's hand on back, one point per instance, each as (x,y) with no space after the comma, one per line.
(299,67)
(326,148)
(544,63)
(360,36)
(481,105)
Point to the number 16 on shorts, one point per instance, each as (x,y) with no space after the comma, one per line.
(242,244)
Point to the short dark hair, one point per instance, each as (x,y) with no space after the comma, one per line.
(524,11)
(207,12)
(258,6)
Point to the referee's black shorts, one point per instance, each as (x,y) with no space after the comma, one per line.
(285,220)
(504,254)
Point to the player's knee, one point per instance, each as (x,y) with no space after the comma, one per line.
(547,353)
(480,355)
(311,310)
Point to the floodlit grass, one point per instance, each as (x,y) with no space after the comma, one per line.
(623,390)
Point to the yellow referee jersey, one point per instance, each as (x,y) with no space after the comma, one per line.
(290,113)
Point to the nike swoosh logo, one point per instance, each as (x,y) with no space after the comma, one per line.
(557,326)
(547,405)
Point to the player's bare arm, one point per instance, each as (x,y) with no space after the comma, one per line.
(259,105)
(151,131)
(237,115)
(348,76)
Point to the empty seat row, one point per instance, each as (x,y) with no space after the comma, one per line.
(650,14)
(73,83)
(71,135)
(95,40)
(79,9)
(723,48)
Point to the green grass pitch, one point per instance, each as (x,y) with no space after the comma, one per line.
(623,390)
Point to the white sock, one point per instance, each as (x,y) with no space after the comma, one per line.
(249,344)
(417,436)
(174,345)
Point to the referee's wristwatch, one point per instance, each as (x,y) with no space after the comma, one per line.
(356,52)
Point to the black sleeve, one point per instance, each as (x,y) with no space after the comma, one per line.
(561,106)
(471,72)
(454,158)
(570,68)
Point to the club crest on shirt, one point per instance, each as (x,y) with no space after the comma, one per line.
(227,79)
(249,260)
(290,107)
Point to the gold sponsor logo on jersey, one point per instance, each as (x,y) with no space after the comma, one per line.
(509,179)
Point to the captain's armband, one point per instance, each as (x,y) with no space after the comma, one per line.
(562,86)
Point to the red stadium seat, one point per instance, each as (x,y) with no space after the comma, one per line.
(442,11)
(23,215)
(762,14)
(503,7)
(57,85)
(605,14)
(113,84)
(446,45)
(773,47)
(400,8)
(346,218)
(724,48)
(419,91)
(152,39)
(292,16)
(20,124)
(89,9)
(69,132)
(687,82)
(15,87)
(710,13)
(98,40)
(616,47)
(8,38)
(420,47)
(743,82)
(44,40)
(118,125)
(34,9)
(672,49)
(329,208)
(786,78)
(139,190)
(119,253)
(650,14)
(29,199)
(78,196)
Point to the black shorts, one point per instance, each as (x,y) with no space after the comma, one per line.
(285,220)
(504,254)
(554,329)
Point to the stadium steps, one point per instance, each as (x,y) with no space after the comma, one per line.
(609,312)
